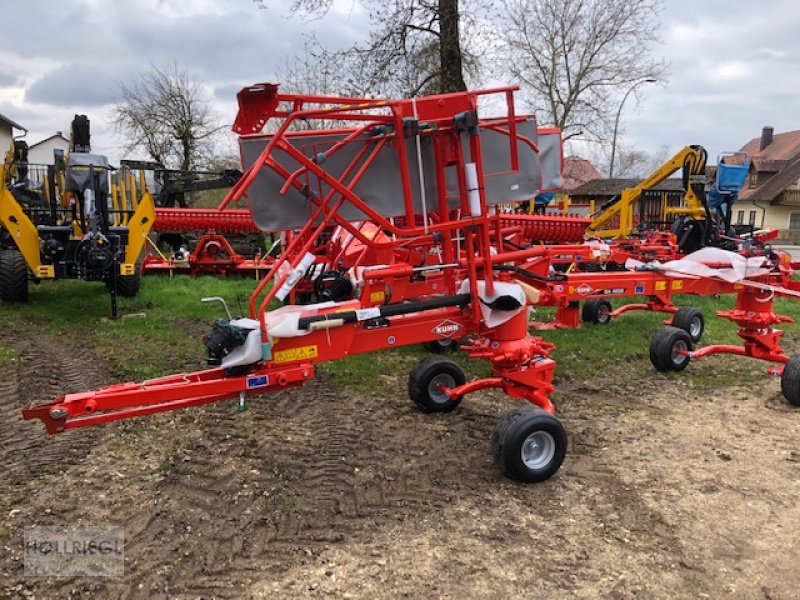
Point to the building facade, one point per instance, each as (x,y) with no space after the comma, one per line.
(41,153)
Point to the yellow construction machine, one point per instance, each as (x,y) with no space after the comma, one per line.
(68,221)
(620,216)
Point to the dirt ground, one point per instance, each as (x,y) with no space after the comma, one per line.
(666,492)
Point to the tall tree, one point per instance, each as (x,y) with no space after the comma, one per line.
(168,114)
(574,59)
(414,47)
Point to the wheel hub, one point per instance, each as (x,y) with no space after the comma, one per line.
(435,389)
(538,450)
(679,352)
(694,327)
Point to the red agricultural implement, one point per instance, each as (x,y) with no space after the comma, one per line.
(412,185)
(213,254)
(427,173)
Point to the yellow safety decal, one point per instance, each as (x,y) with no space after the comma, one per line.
(292,354)
(377,297)
(661,286)
(44,272)
(127,269)
(677,284)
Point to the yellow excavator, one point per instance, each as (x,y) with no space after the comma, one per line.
(65,221)
(621,215)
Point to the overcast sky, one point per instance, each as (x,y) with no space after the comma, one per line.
(734,64)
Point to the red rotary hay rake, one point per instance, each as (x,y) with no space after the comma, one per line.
(418,170)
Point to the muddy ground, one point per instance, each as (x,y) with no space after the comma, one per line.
(668,491)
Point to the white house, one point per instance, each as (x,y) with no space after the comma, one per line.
(7,127)
(41,153)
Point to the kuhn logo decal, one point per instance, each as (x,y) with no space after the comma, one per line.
(584,289)
(447,329)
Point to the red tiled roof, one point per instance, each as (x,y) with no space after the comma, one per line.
(784,146)
(578,171)
(775,185)
(782,157)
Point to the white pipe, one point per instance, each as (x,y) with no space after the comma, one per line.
(295,276)
(473,192)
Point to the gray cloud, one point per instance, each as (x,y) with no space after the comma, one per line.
(74,85)
(733,66)
(7,79)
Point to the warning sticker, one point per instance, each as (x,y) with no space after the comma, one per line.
(292,354)
(365,314)
(377,297)
(661,286)
(677,284)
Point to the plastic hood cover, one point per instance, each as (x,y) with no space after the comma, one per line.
(709,262)
(491,316)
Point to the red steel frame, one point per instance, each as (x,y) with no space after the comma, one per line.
(520,363)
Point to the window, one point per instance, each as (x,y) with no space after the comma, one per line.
(740,217)
(752,217)
(794,220)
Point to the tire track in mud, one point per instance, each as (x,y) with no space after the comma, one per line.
(44,371)
(249,491)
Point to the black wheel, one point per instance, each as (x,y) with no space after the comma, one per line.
(691,321)
(426,380)
(529,444)
(441,346)
(13,276)
(790,380)
(127,285)
(597,311)
(666,349)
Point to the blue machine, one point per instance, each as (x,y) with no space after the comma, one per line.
(728,183)
(541,201)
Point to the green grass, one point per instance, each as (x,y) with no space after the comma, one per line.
(8,354)
(161,332)
(158,331)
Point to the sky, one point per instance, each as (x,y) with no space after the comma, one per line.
(734,65)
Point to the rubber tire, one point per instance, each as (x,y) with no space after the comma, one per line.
(596,311)
(127,285)
(683,320)
(13,276)
(662,345)
(421,378)
(442,346)
(511,432)
(790,381)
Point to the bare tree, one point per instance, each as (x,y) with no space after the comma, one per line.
(168,114)
(315,71)
(415,47)
(574,58)
(634,163)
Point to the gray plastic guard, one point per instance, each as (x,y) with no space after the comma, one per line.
(79,174)
(500,182)
(550,160)
(381,185)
